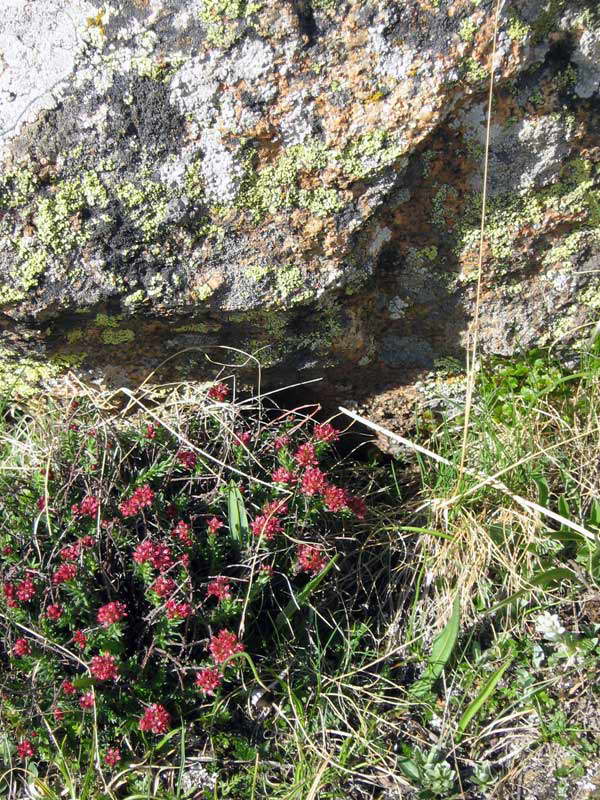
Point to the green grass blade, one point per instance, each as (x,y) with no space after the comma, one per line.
(285,617)
(238,519)
(443,644)
(540,579)
(478,703)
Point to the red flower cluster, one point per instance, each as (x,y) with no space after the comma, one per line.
(266,526)
(141,498)
(150,431)
(10,594)
(86,701)
(68,687)
(41,503)
(87,508)
(177,610)
(187,458)
(208,679)
(25,749)
(182,532)
(157,554)
(358,506)
(281,441)
(25,590)
(66,572)
(283,475)
(213,525)
(112,757)
(104,667)
(219,588)
(223,645)
(111,613)
(314,481)
(21,648)
(220,391)
(54,612)
(305,455)
(58,714)
(80,639)
(156,719)
(242,437)
(326,433)
(163,586)
(71,551)
(310,559)
(335,498)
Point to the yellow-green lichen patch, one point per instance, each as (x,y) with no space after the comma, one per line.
(108,320)
(468,29)
(276,186)
(147,202)
(370,152)
(517,29)
(31,263)
(17,188)
(22,376)
(221,19)
(117,335)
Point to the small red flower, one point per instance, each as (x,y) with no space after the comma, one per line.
(187,459)
(182,531)
(223,645)
(305,455)
(54,612)
(326,433)
(150,431)
(283,475)
(313,481)
(208,680)
(161,558)
(104,667)
(268,527)
(111,613)
(25,590)
(89,506)
(163,586)
(7,551)
(66,572)
(358,506)
(68,687)
(335,498)
(25,749)
(70,552)
(281,441)
(220,391)
(219,588)
(86,542)
(58,714)
(141,498)
(143,552)
(80,639)
(310,559)
(112,757)
(10,593)
(86,701)
(242,437)
(156,719)
(177,610)
(21,648)
(185,560)
(213,525)
(266,570)
(41,503)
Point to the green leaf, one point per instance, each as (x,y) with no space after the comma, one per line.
(238,519)
(543,490)
(485,692)
(285,617)
(413,529)
(440,653)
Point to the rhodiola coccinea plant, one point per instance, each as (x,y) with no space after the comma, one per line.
(131,589)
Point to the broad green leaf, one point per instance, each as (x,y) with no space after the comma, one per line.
(443,645)
(543,490)
(300,599)
(410,769)
(485,692)
(238,519)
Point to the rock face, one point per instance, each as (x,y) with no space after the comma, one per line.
(299,179)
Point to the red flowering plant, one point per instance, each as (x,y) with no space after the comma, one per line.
(166,561)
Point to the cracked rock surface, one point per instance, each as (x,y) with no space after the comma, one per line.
(301,179)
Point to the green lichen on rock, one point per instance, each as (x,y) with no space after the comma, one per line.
(517,29)
(17,188)
(276,186)
(221,19)
(147,202)
(370,152)
(117,335)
